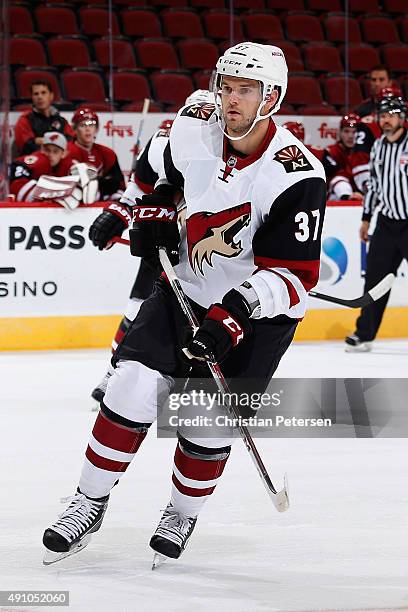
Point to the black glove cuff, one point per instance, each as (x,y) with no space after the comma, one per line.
(235,302)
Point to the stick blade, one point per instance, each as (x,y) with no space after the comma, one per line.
(382,288)
(281,498)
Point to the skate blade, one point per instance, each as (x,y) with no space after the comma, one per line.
(51,557)
(158,560)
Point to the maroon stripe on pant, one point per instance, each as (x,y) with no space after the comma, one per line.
(105,464)
(189,490)
(115,436)
(198,469)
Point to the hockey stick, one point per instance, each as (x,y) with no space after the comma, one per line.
(367,298)
(280,499)
(145,110)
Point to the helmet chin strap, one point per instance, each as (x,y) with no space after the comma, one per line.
(258,117)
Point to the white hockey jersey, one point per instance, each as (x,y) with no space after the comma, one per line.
(255,218)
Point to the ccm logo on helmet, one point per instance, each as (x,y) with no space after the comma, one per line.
(143,213)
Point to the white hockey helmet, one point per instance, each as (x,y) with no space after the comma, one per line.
(200,95)
(263,63)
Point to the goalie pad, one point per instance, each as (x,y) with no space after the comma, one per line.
(61,189)
(88,180)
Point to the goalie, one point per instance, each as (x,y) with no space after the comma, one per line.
(52,174)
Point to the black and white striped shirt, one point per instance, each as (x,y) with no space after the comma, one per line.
(388,184)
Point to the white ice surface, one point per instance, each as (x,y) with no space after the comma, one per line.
(343,544)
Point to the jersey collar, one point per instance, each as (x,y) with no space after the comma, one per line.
(240,161)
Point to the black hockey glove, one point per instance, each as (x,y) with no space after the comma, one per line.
(155,225)
(111,222)
(224,327)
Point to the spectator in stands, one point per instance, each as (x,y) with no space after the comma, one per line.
(379,78)
(33,124)
(52,160)
(111,182)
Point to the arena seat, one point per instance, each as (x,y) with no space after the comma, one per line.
(303,88)
(395,57)
(81,84)
(171,87)
(322,57)
(181,23)
(379,30)
(141,23)
(335,24)
(335,90)
(122,49)
(156,53)
(95,21)
(20,20)
(361,56)
(69,51)
(262,27)
(56,20)
(303,27)
(26,50)
(130,86)
(217,26)
(199,54)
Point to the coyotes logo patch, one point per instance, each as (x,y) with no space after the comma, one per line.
(293,159)
(200,110)
(214,233)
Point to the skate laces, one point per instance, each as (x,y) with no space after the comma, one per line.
(175,524)
(78,516)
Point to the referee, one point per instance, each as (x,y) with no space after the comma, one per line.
(387,189)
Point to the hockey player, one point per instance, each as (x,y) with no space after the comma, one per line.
(52,160)
(255,201)
(111,182)
(337,161)
(115,218)
(298,130)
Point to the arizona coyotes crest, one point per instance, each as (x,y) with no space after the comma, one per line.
(200,110)
(214,233)
(293,159)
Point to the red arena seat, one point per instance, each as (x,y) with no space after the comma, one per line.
(301,27)
(68,51)
(322,57)
(21,21)
(27,50)
(156,53)
(182,24)
(25,76)
(335,88)
(395,57)
(361,57)
(171,87)
(130,86)
(263,27)
(377,30)
(200,54)
(56,20)
(141,23)
(217,26)
(303,89)
(338,25)
(95,21)
(83,85)
(123,54)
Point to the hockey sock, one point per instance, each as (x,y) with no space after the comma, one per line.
(196,471)
(113,444)
(132,309)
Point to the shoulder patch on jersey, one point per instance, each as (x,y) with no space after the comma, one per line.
(293,159)
(30,159)
(200,110)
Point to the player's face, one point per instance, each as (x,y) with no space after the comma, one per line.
(348,136)
(54,154)
(390,122)
(41,97)
(86,133)
(378,80)
(240,99)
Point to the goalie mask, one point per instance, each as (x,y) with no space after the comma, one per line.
(263,63)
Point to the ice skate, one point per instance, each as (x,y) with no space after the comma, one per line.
(355,345)
(99,392)
(72,531)
(171,536)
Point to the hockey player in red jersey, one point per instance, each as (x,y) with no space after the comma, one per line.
(51,160)
(111,182)
(250,252)
(337,161)
(297,129)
